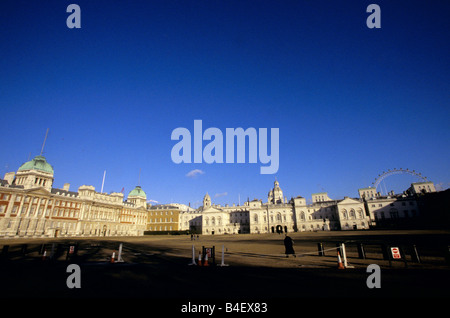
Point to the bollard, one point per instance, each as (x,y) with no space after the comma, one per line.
(361,253)
(24,249)
(344,255)
(53,252)
(223,256)
(414,254)
(42,249)
(119,257)
(320,249)
(193,256)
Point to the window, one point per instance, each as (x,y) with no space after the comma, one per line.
(352,214)
(393,213)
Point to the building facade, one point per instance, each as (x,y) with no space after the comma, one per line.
(278,215)
(163,218)
(31,207)
(395,209)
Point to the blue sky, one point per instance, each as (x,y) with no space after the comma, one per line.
(349,101)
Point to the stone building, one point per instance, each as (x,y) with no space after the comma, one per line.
(395,209)
(31,207)
(278,215)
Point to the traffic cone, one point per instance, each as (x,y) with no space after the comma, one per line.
(199,259)
(206,260)
(112,257)
(340,265)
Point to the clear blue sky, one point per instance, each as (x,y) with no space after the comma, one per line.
(350,102)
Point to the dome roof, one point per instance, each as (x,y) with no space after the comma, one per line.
(38,163)
(137,192)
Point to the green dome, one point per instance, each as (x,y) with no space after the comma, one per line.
(137,192)
(38,163)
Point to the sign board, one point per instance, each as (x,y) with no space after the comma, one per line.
(208,252)
(395,251)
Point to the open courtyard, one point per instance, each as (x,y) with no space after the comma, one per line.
(157,268)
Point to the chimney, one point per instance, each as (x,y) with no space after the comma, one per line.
(66,186)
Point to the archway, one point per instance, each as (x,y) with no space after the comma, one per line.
(279,229)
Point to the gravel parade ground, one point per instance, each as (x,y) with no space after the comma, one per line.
(155,268)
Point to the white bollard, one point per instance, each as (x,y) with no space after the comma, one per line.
(119,257)
(344,256)
(193,256)
(223,257)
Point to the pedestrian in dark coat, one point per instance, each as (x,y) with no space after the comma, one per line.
(289,246)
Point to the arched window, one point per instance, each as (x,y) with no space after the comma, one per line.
(360,213)
(345,214)
(302,216)
(352,214)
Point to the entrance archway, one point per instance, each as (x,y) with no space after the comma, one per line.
(279,229)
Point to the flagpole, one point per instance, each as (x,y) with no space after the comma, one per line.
(103,182)
(42,149)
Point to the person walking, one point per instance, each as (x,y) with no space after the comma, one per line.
(289,246)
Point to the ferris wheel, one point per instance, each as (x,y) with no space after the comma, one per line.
(390,172)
